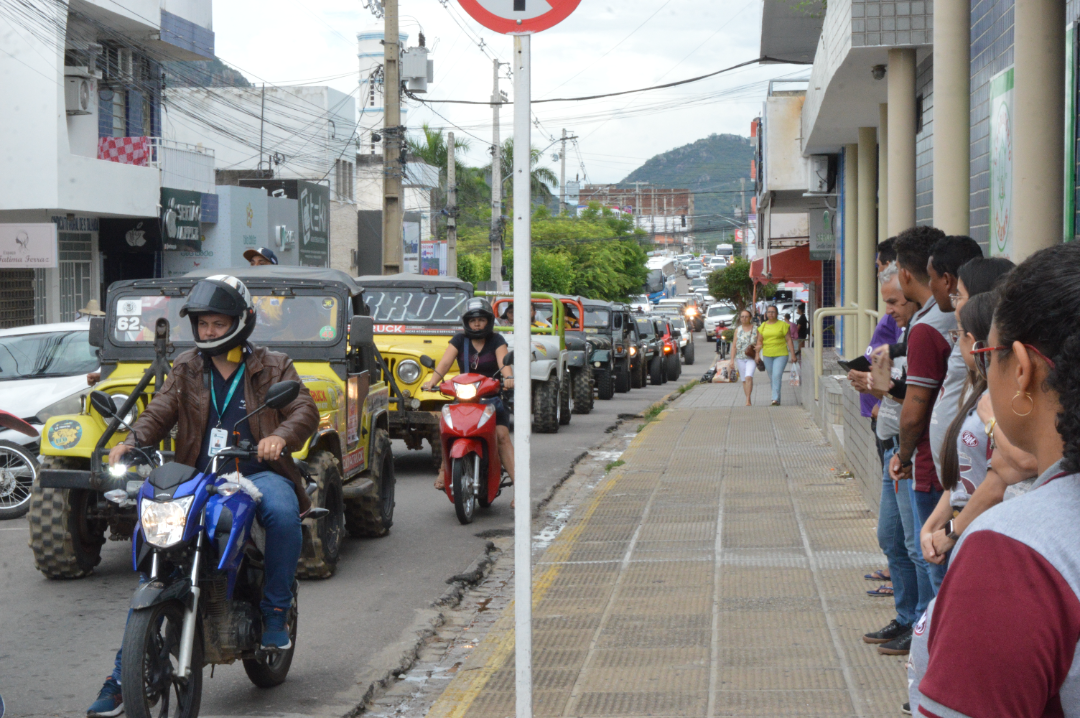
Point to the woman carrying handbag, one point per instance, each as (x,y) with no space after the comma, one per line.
(746,353)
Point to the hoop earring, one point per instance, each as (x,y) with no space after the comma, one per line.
(1027,396)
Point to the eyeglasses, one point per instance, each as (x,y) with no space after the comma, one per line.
(981,354)
(954,334)
(954,298)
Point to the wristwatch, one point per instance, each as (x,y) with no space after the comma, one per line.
(906,464)
(950,531)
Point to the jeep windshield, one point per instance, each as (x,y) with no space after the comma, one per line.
(416,306)
(597,318)
(290,319)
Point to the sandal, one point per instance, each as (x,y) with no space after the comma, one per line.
(878,575)
(440,484)
(881,590)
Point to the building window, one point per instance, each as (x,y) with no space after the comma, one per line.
(918,114)
(119,114)
(17,297)
(343,180)
(75,284)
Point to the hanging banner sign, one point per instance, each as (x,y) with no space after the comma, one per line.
(314,209)
(28,246)
(1001,163)
(511,17)
(181,217)
(822,234)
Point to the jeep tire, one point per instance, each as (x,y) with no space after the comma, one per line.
(581,384)
(656,369)
(65,542)
(372,516)
(673,366)
(623,378)
(637,374)
(545,406)
(605,384)
(566,399)
(322,537)
(688,352)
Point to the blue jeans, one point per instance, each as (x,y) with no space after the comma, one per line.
(905,503)
(279,513)
(775,367)
(891,539)
(924,503)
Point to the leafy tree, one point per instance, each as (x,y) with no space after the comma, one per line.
(733,283)
(543,180)
(474,196)
(473,268)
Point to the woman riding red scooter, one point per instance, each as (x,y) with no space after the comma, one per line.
(479,350)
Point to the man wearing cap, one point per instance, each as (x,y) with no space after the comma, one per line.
(260,257)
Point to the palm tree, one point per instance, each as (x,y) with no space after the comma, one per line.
(543,180)
(433,150)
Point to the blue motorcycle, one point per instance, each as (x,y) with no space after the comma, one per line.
(198,543)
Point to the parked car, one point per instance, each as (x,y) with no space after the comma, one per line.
(672,366)
(650,353)
(719,316)
(694,269)
(43,372)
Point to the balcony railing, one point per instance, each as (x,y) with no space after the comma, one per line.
(183,166)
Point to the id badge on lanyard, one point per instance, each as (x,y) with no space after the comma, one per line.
(219,438)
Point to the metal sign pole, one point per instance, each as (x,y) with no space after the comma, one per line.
(522,373)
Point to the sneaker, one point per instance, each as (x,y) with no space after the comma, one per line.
(275,633)
(906,709)
(894,630)
(899,646)
(110,701)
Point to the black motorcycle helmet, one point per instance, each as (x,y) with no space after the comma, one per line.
(474,309)
(221,294)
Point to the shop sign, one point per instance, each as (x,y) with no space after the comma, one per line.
(1001,163)
(130,235)
(822,234)
(314,211)
(181,218)
(28,246)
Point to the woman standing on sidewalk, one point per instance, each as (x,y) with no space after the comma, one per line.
(775,348)
(746,336)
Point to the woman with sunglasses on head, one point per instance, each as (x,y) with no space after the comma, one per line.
(746,336)
(1003,630)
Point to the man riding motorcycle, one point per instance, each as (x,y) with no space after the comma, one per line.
(210,388)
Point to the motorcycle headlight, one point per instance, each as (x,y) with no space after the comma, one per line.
(408,371)
(132,415)
(68,405)
(163,522)
(467,391)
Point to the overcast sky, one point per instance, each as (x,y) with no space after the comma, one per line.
(604,46)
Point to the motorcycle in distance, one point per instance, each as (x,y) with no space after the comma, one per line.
(196,541)
(469,444)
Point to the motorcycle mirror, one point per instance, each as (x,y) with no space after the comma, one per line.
(103,403)
(509,360)
(282,394)
(427,361)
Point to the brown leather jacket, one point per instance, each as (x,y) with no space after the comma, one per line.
(184,402)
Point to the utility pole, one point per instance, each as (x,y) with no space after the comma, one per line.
(742,196)
(562,175)
(451,221)
(496,178)
(262,116)
(393,136)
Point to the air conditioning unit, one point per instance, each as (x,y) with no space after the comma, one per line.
(821,179)
(77,92)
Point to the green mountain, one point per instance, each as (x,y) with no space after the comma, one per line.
(711,168)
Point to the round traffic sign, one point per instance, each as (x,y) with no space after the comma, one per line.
(511,17)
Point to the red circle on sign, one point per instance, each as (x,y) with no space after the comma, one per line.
(508,24)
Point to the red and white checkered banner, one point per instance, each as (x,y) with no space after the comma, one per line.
(125,150)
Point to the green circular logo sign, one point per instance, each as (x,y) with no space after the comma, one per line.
(65,434)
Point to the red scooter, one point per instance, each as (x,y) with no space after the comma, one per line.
(469,446)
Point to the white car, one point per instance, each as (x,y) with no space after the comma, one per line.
(721,314)
(641,302)
(717,262)
(43,372)
(694,269)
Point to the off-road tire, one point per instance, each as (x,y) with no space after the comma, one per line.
(637,375)
(673,367)
(624,380)
(322,538)
(656,369)
(64,542)
(688,353)
(372,516)
(567,405)
(605,384)
(581,384)
(545,406)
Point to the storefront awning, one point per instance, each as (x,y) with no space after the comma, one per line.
(791,265)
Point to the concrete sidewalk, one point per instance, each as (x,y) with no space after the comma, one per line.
(717,572)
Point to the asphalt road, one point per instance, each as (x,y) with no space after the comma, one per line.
(58,638)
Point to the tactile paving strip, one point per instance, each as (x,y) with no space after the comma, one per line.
(642,611)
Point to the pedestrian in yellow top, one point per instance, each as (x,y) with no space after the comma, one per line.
(775,348)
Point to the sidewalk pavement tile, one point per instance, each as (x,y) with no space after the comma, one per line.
(718,572)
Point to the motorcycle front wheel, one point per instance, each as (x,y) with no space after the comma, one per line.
(464,477)
(149,681)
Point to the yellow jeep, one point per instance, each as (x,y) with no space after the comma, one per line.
(414,317)
(315,316)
